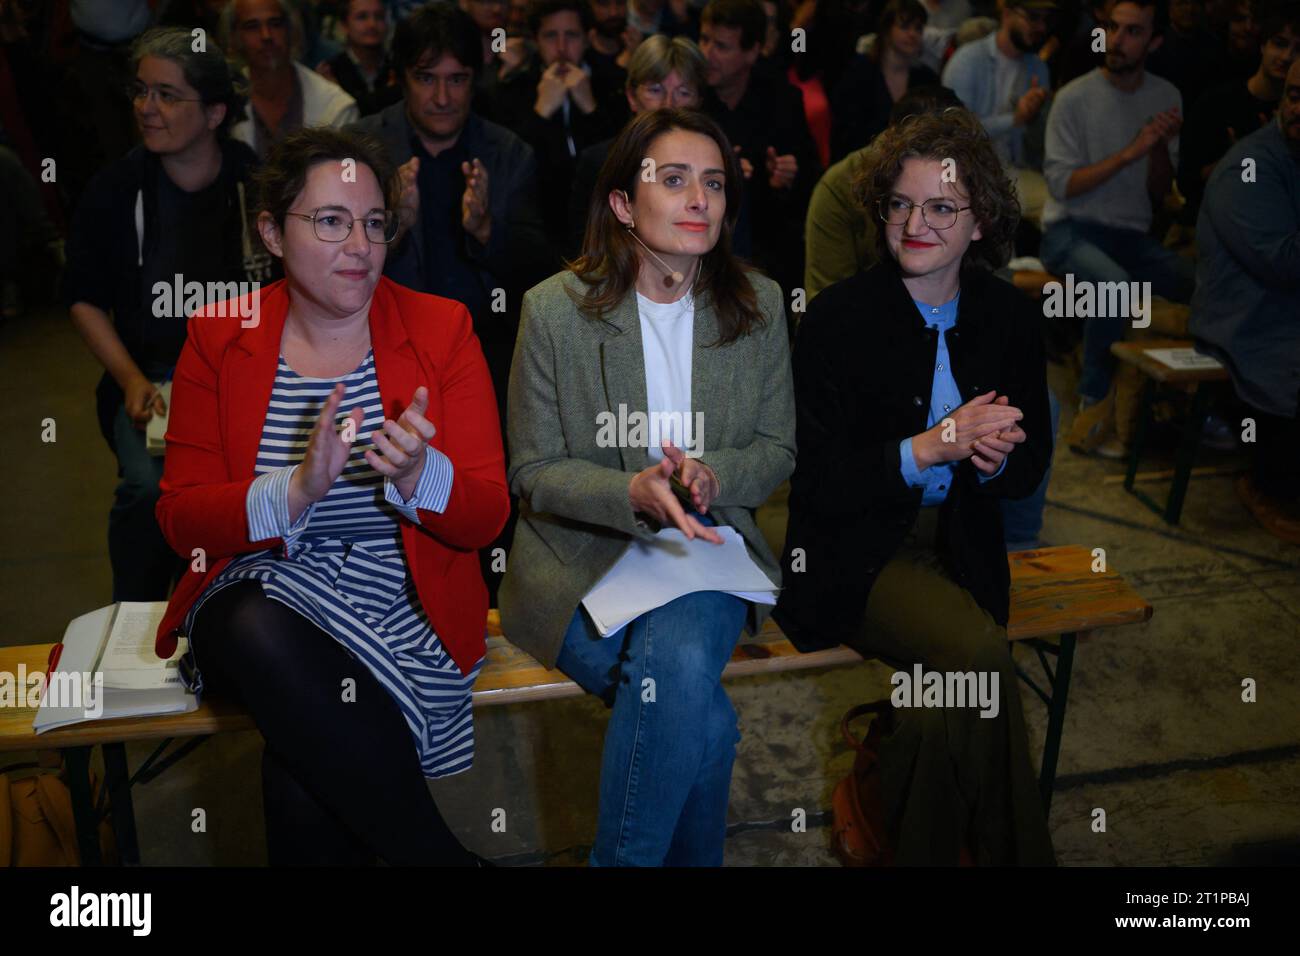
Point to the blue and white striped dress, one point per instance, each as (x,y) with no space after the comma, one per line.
(344,567)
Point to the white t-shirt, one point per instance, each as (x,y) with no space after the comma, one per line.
(667,340)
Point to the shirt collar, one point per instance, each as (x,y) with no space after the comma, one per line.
(942,317)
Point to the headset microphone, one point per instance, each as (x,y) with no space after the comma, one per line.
(673,277)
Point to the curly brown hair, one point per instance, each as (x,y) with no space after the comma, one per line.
(955,133)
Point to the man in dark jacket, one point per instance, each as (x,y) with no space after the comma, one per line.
(363,69)
(1247,302)
(469,201)
(170,217)
(555,104)
(763,117)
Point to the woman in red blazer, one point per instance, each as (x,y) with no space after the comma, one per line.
(333,463)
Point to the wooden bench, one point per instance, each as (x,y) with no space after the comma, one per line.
(1054,593)
(1156,375)
(1032,282)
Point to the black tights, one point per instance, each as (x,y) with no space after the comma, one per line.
(341,780)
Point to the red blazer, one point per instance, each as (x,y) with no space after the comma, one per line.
(220,395)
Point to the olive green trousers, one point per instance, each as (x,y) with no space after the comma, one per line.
(951,777)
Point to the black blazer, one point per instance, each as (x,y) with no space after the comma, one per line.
(863,372)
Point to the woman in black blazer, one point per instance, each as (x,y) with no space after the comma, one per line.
(861,102)
(921,396)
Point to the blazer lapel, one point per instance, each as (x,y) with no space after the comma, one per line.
(250,378)
(396,366)
(622,363)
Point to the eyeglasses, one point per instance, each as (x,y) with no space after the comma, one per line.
(937,213)
(138,93)
(333,224)
(681,95)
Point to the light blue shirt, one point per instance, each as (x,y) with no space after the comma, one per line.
(990,84)
(944,398)
(267,501)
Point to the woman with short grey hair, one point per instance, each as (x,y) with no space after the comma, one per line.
(169,215)
(202,63)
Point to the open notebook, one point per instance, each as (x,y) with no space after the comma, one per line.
(107,668)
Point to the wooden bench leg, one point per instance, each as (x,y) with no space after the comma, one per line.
(77,761)
(1185,458)
(118,784)
(1140,438)
(1056,720)
(1187,454)
(1059,684)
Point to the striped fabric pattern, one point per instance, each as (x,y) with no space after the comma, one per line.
(343,565)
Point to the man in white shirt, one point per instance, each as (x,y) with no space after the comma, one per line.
(283,95)
(1112,146)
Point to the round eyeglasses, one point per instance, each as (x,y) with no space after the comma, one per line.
(140,93)
(333,224)
(937,213)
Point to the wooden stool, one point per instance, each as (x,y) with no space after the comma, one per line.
(1156,374)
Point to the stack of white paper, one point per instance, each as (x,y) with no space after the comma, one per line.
(652,573)
(1186,358)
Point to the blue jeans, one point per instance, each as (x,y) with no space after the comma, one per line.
(143,562)
(671,741)
(1022,518)
(1097,253)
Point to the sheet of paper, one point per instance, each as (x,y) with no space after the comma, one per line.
(652,573)
(156,429)
(1184,358)
(129,660)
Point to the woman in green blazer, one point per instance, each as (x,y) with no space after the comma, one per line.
(656,360)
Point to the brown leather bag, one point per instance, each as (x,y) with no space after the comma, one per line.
(859,836)
(36,823)
(858,833)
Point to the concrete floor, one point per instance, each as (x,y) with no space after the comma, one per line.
(1156,734)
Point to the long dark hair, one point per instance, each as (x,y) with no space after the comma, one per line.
(611,259)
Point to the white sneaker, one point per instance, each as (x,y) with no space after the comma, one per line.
(1112,448)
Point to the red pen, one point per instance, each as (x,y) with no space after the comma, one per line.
(55,653)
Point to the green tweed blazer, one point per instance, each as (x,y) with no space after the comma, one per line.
(575,517)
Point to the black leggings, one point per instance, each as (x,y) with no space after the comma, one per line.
(341,780)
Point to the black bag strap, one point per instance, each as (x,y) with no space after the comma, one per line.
(881,708)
